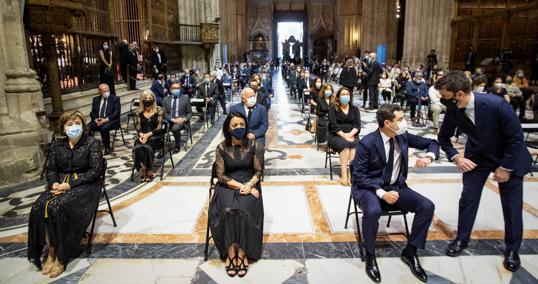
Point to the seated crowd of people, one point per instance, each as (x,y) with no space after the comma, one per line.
(375,166)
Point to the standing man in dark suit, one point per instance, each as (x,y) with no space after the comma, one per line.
(177,111)
(222,94)
(123,51)
(159,90)
(374,71)
(210,92)
(256,114)
(379,181)
(158,62)
(132,67)
(495,144)
(105,115)
(470,60)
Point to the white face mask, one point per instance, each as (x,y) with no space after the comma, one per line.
(106,94)
(318,85)
(480,89)
(402,127)
(498,85)
(251,101)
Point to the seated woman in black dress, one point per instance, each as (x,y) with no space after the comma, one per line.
(61,214)
(344,128)
(149,121)
(236,210)
(324,100)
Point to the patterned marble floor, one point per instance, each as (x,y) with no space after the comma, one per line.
(161,225)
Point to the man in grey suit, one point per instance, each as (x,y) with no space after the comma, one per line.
(209,91)
(177,111)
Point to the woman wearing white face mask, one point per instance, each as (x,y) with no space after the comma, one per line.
(344,128)
(106,74)
(61,214)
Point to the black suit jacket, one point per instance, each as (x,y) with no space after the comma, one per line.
(348,77)
(212,91)
(184,108)
(374,72)
(112,112)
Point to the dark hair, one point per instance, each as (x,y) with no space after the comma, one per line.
(160,76)
(226,128)
(479,80)
(386,112)
(336,99)
(253,81)
(175,82)
(454,81)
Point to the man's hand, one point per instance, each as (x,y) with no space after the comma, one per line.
(501,175)
(391,197)
(464,165)
(251,136)
(422,163)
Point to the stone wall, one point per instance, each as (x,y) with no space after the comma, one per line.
(20,97)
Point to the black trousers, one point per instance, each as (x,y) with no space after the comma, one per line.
(104,129)
(132,77)
(518,102)
(222,100)
(511,193)
(212,107)
(386,96)
(409,200)
(176,131)
(123,71)
(373,93)
(364,97)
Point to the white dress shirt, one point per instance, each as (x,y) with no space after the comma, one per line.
(433,93)
(397,160)
(101,106)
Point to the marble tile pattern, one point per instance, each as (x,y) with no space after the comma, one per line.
(162,225)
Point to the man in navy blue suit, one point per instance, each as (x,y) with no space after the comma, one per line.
(495,144)
(105,115)
(159,90)
(379,182)
(256,114)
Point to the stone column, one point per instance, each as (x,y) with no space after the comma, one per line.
(427,26)
(349,16)
(20,98)
(379,26)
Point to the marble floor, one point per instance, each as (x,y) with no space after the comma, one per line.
(161,225)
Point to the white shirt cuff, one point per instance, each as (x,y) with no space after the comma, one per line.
(431,154)
(380,192)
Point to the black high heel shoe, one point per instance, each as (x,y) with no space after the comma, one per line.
(242,267)
(231,267)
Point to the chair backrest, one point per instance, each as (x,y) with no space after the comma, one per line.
(135,103)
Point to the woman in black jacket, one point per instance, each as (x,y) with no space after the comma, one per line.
(348,77)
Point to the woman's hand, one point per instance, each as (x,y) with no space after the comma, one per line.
(61,188)
(255,193)
(245,189)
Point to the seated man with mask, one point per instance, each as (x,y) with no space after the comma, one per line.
(379,181)
(177,111)
(256,114)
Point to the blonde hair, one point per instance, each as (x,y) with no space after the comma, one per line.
(141,103)
(68,116)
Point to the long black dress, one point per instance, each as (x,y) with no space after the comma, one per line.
(236,218)
(65,217)
(340,121)
(144,153)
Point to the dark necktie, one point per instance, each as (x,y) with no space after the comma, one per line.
(207,90)
(468,125)
(249,115)
(102,112)
(174,108)
(390,164)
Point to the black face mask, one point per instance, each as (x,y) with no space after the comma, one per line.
(450,104)
(147,103)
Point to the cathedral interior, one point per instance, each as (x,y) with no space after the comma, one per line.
(163,214)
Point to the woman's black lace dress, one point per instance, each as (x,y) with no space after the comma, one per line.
(144,153)
(236,218)
(65,217)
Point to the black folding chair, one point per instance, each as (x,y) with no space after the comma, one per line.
(135,103)
(386,209)
(212,184)
(165,147)
(109,210)
(47,153)
(115,129)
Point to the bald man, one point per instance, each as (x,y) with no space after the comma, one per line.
(256,114)
(105,115)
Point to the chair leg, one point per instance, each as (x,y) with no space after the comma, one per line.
(132,172)
(190,132)
(109,207)
(348,213)
(388,222)
(90,237)
(406,226)
(326,157)
(114,140)
(122,137)
(331,165)
(359,233)
(206,249)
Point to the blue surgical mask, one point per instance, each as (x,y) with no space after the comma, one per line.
(74,131)
(239,133)
(328,93)
(176,92)
(345,100)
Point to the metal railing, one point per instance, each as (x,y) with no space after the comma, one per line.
(190,33)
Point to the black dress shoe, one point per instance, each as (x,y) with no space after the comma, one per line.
(456,247)
(176,150)
(108,151)
(371,268)
(511,261)
(414,264)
